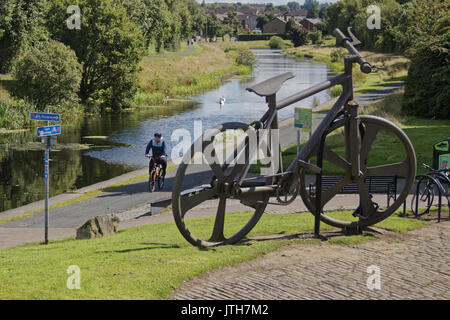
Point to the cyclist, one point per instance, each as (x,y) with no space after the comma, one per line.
(159,151)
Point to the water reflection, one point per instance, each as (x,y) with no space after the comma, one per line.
(21,167)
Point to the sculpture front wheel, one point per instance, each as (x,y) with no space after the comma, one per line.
(203,182)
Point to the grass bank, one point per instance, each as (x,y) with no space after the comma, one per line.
(395,67)
(148,262)
(178,76)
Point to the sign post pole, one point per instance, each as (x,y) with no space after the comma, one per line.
(303,123)
(46,175)
(47,135)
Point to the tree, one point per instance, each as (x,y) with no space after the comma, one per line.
(427,88)
(313,8)
(299,36)
(290,25)
(269,7)
(151,17)
(294,5)
(262,20)
(214,26)
(21,25)
(283,8)
(109,46)
(48,74)
(233,23)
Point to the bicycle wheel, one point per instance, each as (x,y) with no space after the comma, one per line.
(204,180)
(150,183)
(160,182)
(385,150)
(424,195)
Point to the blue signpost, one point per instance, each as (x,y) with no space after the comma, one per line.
(47,134)
(45,116)
(48,131)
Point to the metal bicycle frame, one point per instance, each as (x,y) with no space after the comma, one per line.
(270,120)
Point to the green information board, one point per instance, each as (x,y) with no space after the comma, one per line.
(303,119)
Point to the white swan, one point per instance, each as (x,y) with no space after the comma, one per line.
(222,100)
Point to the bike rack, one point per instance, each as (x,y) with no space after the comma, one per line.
(440,189)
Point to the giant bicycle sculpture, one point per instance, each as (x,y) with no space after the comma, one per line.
(231,179)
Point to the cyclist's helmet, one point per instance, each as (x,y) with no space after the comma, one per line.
(158,135)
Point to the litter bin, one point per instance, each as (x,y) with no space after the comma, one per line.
(441,154)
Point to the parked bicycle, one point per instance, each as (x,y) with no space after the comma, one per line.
(155,178)
(430,189)
(232,180)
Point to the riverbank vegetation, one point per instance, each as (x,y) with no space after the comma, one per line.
(187,75)
(149,262)
(417,29)
(105,41)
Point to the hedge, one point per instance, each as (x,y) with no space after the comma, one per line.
(261,36)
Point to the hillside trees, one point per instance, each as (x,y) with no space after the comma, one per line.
(109,46)
(21,25)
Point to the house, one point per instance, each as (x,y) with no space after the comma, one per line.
(309,23)
(248,20)
(297,15)
(276,25)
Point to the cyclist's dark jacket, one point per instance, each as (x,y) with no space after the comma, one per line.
(159,149)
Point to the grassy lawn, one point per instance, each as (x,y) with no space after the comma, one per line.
(147,262)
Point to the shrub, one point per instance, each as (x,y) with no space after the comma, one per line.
(299,36)
(15,114)
(315,36)
(336,91)
(48,74)
(245,57)
(262,36)
(276,43)
(337,55)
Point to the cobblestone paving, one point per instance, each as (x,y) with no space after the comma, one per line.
(415,265)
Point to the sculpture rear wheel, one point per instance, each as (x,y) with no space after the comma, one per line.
(395,157)
(208,183)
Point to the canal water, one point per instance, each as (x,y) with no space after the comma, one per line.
(100,148)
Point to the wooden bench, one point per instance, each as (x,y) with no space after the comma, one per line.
(375,184)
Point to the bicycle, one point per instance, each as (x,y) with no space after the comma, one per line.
(435,183)
(231,179)
(155,178)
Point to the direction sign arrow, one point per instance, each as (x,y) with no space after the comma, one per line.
(48,131)
(45,116)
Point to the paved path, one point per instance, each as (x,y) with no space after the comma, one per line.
(188,50)
(415,265)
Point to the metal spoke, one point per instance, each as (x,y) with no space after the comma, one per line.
(217,234)
(335,189)
(394,169)
(365,200)
(192,199)
(216,167)
(336,159)
(369,137)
